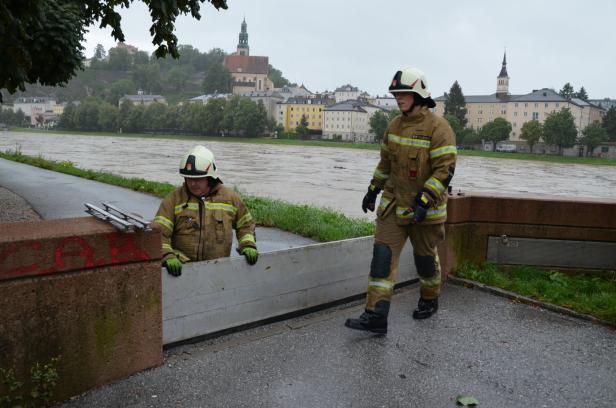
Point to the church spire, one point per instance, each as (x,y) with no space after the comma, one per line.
(242,46)
(502,81)
(503,73)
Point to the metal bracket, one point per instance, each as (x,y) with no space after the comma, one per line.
(507,242)
(118,218)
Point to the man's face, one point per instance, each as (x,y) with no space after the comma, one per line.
(405,100)
(198,186)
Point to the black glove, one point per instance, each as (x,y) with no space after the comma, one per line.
(419,207)
(370,198)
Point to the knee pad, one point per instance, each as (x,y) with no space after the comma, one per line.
(381,261)
(426,266)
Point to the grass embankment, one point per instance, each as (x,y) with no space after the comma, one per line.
(320,224)
(321,143)
(589,294)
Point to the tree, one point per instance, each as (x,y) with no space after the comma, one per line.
(302,129)
(378,124)
(86,114)
(276,76)
(119,59)
(593,135)
(99,52)
(67,120)
(141,58)
(456,126)
(531,132)
(581,94)
(108,117)
(495,131)
(177,78)
(559,129)
(455,104)
(147,78)
(567,92)
(34,32)
(609,123)
(217,79)
(214,114)
(120,88)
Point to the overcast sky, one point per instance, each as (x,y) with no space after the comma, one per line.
(328,43)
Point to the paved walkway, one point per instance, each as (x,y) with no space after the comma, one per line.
(504,354)
(56,195)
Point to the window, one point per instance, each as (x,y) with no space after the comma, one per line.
(526,105)
(525,113)
(535,115)
(557,105)
(515,124)
(516,104)
(536,105)
(515,113)
(546,104)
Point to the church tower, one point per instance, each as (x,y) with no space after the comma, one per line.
(502,81)
(242,46)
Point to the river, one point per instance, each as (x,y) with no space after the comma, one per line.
(336,178)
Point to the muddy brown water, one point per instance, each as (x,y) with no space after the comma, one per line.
(323,176)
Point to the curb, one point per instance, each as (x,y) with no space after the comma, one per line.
(526,300)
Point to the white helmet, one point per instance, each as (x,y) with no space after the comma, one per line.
(198,163)
(411,80)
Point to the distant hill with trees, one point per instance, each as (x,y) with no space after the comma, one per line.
(124,70)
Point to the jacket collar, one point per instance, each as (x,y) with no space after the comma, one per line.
(418,117)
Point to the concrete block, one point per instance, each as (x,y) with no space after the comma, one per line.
(103,323)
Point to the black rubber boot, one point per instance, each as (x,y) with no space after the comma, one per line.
(425,308)
(368,321)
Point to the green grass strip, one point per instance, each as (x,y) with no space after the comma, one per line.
(321,224)
(322,143)
(585,293)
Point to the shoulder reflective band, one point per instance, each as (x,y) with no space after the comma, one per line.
(425,144)
(165,222)
(244,220)
(435,185)
(441,151)
(248,238)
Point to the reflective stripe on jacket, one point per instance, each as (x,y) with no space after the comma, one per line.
(417,153)
(194,229)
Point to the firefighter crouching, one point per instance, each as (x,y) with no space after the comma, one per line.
(197,219)
(417,163)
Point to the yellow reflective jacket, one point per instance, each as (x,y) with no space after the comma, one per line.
(195,229)
(418,153)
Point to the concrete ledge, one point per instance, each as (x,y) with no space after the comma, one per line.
(79,290)
(53,246)
(543,223)
(217,295)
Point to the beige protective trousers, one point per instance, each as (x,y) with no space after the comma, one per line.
(389,240)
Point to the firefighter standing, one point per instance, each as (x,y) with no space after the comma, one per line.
(417,163)
(197,218)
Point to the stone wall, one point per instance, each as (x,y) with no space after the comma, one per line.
(79,290)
